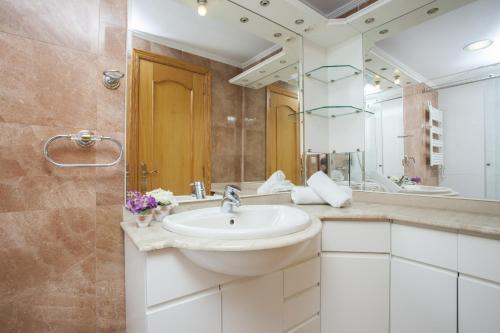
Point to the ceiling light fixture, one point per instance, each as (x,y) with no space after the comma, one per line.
(277,34)
(369,20)
(384,31)
(432,11)
(244,19)
(264,3)
(282,61)
(478,45)
(368,59)
(397,80)
(262,72)
(299,21)
(383,69)
(202,7)
(377,85)
(308,28)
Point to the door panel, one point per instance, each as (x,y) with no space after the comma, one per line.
(283,151)
(173,123)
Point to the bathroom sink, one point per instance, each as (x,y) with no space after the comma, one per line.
(433,190)
(246,222)
(250,241)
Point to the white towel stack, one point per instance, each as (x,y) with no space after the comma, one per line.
(387,184)
(276,183)
(302,195)
(322,190)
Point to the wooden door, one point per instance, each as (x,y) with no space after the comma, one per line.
(283,134)
(170,122)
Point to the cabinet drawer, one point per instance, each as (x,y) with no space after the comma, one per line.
(199,314)
(428,246)
(301,276)
(310,326)
(479,257)
(348,236)
(301,307)
(170,275)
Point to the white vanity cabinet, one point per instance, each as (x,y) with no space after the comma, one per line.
(166,292)
(478,284)
(423,280)
(355,277)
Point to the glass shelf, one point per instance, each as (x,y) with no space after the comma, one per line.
(332,111)
(328,74)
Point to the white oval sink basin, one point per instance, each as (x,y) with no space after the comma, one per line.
(253,240)
(423,189)
(246,222)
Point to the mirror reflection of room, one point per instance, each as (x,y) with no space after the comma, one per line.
(212,99)
(433,92)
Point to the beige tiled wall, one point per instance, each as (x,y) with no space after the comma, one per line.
(61,253)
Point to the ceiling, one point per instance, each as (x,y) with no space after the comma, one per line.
(433,49)
(180,26)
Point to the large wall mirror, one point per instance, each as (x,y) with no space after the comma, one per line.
(432,89)
(214,96)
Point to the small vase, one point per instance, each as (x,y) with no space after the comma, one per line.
(143,220)
(161,211)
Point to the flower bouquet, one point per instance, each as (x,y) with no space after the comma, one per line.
(166,202)
(141,206)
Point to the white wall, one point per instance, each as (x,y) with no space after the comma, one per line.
(491,95)
(464,139)
(347,133)
(315,95)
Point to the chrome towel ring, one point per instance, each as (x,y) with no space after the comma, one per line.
(84,139)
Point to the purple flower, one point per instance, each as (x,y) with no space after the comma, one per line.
(416,179)
(137,203)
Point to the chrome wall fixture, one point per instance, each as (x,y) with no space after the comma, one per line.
(84,139)
(111,78)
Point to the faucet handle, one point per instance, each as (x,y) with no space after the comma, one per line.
(232,189)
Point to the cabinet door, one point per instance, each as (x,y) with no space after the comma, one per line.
(478,306)
(354,293)
(254,305)
(423,298)
(201,313)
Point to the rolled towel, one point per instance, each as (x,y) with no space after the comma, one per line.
(302,195)
(387,184)
(276,178)
(284,186)
(327,190)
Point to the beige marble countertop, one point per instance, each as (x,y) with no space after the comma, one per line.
(155,237)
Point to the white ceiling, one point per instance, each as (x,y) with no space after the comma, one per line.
(434,48)
(178,24)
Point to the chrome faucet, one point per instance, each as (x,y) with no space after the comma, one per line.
(230,199)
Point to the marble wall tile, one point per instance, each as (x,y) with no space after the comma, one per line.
(69,23)
(61,265)
(46,85)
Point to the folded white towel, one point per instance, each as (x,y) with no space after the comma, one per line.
(302,195)
(326,189)
(284,186)
(387,184)
(275,179)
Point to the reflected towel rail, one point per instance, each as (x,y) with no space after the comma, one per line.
(84,139)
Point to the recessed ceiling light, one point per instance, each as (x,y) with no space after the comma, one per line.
(202,7)
(383,69)
(264,3)
(288,39)
(244,19)
(309,28)
(299,21)
(368,59)
(432,10)
(369,20)
(282,61)
(262,72)
(384,31)
(478,45)
(397,79)
(277,34)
